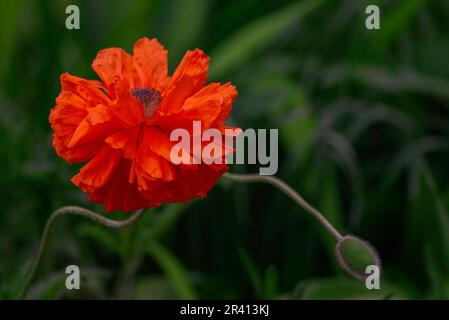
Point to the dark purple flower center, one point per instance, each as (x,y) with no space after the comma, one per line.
(150,99)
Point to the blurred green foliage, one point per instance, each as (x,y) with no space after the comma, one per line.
(363,119)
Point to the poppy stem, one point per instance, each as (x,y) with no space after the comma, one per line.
(79,211)
(291,193)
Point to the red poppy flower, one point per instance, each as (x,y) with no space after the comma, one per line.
(121,126)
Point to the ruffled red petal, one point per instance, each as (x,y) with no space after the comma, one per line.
(189,77)
(150,62)
(78,96)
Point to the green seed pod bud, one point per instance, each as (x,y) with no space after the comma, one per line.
(355,255)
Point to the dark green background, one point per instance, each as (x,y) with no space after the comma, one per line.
(363,119)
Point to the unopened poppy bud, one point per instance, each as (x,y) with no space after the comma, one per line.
(355,255)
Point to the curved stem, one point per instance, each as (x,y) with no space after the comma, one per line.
(291,193)
(79,211)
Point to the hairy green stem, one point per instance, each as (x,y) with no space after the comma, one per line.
(114,224)
(74,210)
(281,185)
